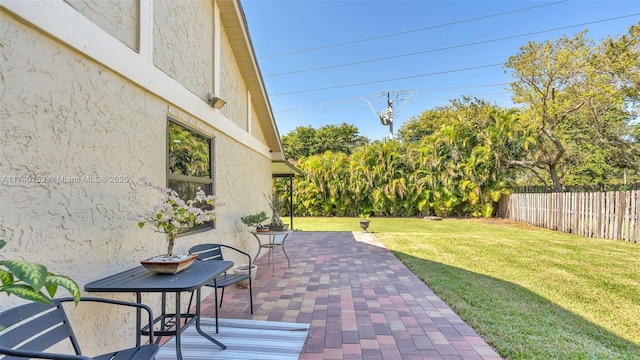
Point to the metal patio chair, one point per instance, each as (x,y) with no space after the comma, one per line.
(32,329)
(213,252)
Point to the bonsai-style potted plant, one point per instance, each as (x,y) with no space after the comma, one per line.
(256,220)
(170,216)
(364,222)
(275,203)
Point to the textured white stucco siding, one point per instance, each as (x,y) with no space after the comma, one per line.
(66,120)
(73,137)
(76,135)
(117,17)
(256,130)
(183,43)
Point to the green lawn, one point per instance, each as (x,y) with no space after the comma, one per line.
(531,293)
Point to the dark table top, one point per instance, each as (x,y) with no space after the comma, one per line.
(283,232)
(139,279)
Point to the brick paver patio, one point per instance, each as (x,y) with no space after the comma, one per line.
(361,302)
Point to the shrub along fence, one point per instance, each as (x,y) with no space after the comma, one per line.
(609,214)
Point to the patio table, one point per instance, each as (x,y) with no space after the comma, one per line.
(271,243)
(140,280)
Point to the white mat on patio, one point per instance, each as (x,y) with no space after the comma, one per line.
(245,339)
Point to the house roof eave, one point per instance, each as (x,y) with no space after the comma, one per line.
(235,24)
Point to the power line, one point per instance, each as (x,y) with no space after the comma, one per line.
(448,47)
(387,80)
(319,110)
(348,100)
(410,31)
(329,103)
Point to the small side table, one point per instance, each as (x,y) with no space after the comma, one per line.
(271,236)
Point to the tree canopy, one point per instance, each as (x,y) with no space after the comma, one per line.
(458,168)
(580,97)
(305,141)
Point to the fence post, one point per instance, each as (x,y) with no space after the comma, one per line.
(637,194)
(621,210)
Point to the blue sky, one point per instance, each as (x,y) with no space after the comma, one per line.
(423,53)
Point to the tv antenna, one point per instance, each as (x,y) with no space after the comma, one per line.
(386,115)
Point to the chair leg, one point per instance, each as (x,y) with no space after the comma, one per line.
(221,297)
(215,288)
(250,295)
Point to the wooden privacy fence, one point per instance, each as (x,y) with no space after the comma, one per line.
(610,214)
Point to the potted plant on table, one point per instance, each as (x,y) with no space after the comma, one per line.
(170,216)
(275,203)
(256,220)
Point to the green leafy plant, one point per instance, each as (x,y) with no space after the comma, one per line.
(255,219)
(364,217)
(27,280)
(276,204)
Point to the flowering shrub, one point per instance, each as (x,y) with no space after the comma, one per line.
(173,213)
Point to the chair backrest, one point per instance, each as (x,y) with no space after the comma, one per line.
(40,325)
(207,251)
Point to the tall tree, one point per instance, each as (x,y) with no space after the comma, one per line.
(571,84)
(466,108)
(416,128)
(305,141)
(462,165)
(300,142)
(615,111)
(459,168)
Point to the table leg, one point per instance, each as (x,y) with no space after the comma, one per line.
(221,345)
(271,238)
(163,315)
(270,245)
(285,253)
(215,287)
(178,327)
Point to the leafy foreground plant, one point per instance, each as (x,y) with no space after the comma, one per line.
(531,293)
(27,280)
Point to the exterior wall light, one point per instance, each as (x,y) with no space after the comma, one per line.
(215,101)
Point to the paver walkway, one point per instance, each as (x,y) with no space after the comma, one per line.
(361,302)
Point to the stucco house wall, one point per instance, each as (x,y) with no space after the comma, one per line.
(84,108)
(119,18)
(183,43)
(254,127)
